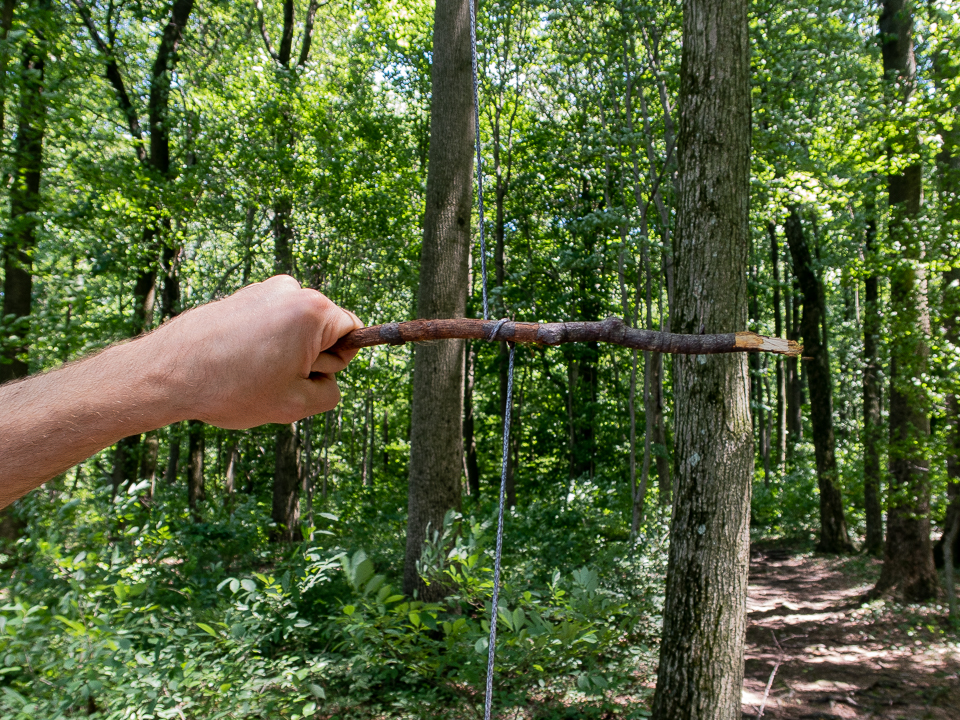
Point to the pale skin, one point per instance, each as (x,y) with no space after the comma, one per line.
(259,356)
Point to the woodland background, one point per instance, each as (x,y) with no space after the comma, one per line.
(156,156)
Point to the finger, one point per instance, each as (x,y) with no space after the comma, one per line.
(320,394)
(328,362)
(338,324)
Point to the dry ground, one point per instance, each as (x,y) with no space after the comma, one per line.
(839,657)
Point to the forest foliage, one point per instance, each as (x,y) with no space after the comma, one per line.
(155,580)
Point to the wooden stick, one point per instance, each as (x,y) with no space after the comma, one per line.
(612,330)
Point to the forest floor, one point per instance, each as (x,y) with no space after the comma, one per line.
(840,657)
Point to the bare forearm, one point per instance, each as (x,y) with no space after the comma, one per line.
(50,422)
(263,355)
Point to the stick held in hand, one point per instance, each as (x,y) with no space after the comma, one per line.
(612,330)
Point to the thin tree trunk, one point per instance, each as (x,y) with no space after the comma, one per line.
(307,472)
(195,487)
(700,674)
(386,442)
(632,392)
(469,439)
(327,430)
(436,431)
(781,418)
(230,475)
(286,499)
(286,480)
(872,472)
(21,237)
(833,525)
(664,482)
(173,458)
(908,570)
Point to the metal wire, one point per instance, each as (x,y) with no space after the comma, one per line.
(492,642)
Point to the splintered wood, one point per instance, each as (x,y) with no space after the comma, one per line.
(612,330)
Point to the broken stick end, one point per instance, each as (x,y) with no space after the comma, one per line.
(761,343)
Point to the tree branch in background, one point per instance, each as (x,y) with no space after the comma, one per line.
(612,330)
(307,32)
(115,77)
(263,31)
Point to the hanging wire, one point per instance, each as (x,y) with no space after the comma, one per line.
(492,642)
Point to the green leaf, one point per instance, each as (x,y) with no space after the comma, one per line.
(309,708)
(207,629)
(317,691)
(248,585)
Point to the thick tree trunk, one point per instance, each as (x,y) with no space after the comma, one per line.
(908,570)
(436,432)
(196,492)
(21,236)
(833,525)
(872,471)
(701,654)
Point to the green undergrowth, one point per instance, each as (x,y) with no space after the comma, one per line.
(161,619)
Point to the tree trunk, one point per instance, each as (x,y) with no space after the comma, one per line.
(195,488)
(436,425)
(781,418)
(792,370)
(701,654)
(948,175)
(872,471)
(230,476)
(472,467)
(908,570)
(386,442)
(21,236)
(833,526)
(664,483)
(286,486)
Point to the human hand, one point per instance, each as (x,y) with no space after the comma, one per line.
(259,356)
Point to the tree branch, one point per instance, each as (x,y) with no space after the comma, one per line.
(263,31)
(286,38)
(115,77)
(307,32)
(612,330)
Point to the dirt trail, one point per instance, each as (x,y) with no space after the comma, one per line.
(838,657)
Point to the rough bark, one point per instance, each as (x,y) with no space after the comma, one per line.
(21,236)
(612,330)
(436,440)
(833,525)
(872,471)
(908,570)
(701,655)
